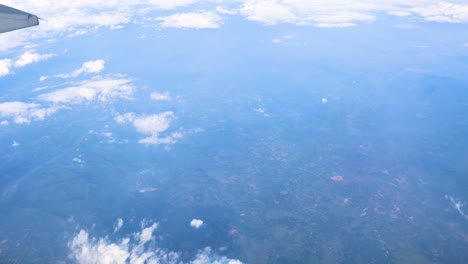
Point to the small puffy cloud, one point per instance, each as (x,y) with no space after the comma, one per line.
(152,126)
(324,100)
(259,110)
(96,66)
(5,67)
(262,111)
(79,161)
(197,20)
(147,233)
(155,96)
(4,123)
(101,89)
(196,223)
(226,11)
(268,12)
(31,57)
(88,67)
(168,140)
(24,113)
(15,144)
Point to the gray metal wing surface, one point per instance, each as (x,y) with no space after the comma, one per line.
(13,19)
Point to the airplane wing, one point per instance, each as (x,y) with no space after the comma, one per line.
(13,19)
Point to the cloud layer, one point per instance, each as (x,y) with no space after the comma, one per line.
(82,16)
(345,13)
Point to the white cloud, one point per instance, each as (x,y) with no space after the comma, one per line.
(5,67)
(133,250)
(15,144)
(78,160)
(101,89)
(443,12)
(160,96)
(457,205)
(148,189)
(31,57)
(259,110)
(4,123)
(226,11)
(24,113)
(147,233)
(268,12)
(152,126)
(206,256)
(26,58)
(88,67)
(168,140)
(196,223)
(330,13)
(197,20)
(78,32)
(170,4)
(90,252)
